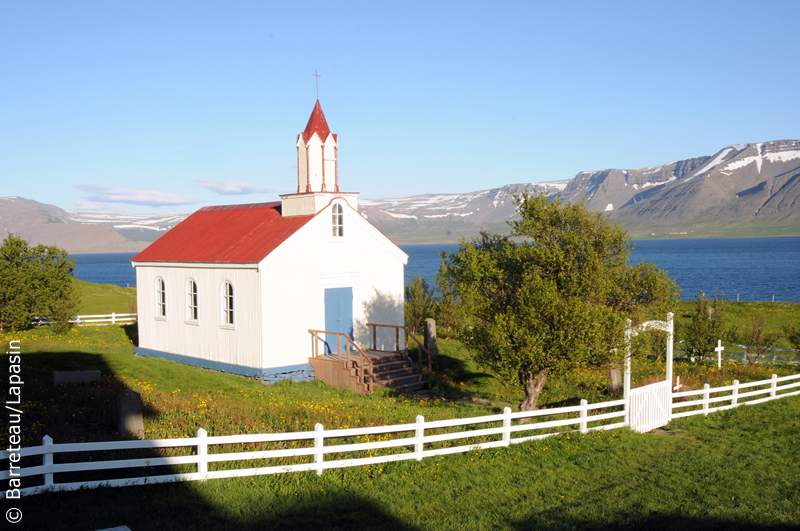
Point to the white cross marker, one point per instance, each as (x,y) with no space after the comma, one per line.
(678,387)
(719,350)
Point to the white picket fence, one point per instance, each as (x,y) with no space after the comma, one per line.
(748,353)
(411,446)
(92,320)
(410,440)
(733,394)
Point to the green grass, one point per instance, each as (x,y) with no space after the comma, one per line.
(102,299)
(734,469)
(740,314)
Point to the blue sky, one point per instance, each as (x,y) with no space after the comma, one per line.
(153,106)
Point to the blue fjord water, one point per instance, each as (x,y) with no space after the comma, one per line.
(755,269)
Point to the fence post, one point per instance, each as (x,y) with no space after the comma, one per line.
(735,395)
(319,442)
(419,433)
(773,388)
(706,395)
(773,354)
(202,452)
(507,426)
(47,460)
(113,318)
(584,415)
(744,356)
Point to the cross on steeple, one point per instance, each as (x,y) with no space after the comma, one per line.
(317,76)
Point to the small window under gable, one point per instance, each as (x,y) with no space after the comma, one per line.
(337,221)
(227,304)
(161,299)
(191,301)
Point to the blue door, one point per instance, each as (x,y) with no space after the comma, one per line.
(338,316)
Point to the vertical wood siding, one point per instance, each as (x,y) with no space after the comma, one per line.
(293,289)
(208,339)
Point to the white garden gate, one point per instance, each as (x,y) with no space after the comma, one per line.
(649,407)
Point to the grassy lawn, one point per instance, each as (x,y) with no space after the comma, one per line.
(102,299)
(740,314)
(733,469)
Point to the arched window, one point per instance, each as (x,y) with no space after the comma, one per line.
(337,221)
(227,302)
(161,298)
(191,300)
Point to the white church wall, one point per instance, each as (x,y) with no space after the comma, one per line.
(298,274)
(208,338)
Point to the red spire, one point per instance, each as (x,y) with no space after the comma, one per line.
(316,124)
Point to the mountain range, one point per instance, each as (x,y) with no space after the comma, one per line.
(742,190)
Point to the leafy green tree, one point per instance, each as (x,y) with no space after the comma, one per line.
(706,327)
(35,281)
(557,301)
(448,309)
(419,298)
(792,332)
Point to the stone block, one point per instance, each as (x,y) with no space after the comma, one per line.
(75,377)
(430,337)
(614,381)
(129,415)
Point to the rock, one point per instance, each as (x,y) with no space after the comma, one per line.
(430,337)
(75,377)
(129,415)
(614,381)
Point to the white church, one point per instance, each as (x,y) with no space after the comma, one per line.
(237,288)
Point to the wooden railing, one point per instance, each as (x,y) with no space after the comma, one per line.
(397,329)
(364,363)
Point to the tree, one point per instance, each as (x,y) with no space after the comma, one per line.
(706,327)
(792,332)
(556,301)
(447,307)
(35,281)
(419,297)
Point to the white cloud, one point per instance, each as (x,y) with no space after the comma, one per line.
(106,194)
(231,187)
(91,206)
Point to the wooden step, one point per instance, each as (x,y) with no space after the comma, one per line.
(399,380)
(394,373)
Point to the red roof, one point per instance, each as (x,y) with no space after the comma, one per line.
(317,124)
(239,234)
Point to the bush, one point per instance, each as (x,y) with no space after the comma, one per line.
(706,327)
(35,281)
(419,298)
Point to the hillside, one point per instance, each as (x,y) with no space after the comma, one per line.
(742,190)
(83,232)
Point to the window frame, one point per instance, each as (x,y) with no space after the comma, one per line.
(338,222)
(227,305)
(192,302)
(161,299)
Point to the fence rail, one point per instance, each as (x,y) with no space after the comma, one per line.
(91,320)
(410,440)
(748,354)
(412,445)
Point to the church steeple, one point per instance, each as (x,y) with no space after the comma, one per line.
(316,156)
(317,170)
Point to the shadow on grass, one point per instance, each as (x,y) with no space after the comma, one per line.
(132,331)
(556,520)
(183,507)
(73,412)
